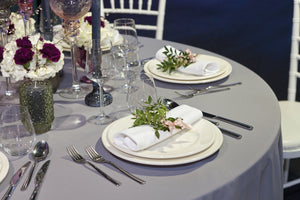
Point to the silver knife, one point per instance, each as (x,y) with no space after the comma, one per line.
(14,180)
(230,121)
(39,178)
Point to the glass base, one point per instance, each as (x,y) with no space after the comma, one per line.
(71,93)
(100,119)
(10,99)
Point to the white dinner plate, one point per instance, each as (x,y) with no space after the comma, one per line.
(184,143)
(217,143)
(176,75)
(4,166)
(151,68)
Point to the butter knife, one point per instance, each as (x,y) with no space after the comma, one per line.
(14,180)
(230,121)
(39,178)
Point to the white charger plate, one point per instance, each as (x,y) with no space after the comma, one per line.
(184,143)
(4,166)
(215,146)
(176,77)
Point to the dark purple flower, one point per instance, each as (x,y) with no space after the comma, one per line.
(1,53)
(102,24)
(24,42)
(88,19)
(51,52)
(23,56)
(11,29)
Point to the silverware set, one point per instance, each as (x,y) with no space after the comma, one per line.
(93,154)
(19,174)
(206,90)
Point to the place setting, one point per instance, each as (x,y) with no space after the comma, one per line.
(184,67)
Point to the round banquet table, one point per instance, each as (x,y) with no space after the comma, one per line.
(249,168)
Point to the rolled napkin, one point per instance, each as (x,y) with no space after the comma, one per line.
(142,137)
(200,67)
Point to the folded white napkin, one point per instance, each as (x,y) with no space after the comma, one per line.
(142,137)
(200,67)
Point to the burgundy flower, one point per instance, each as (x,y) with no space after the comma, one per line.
(1,53)
(88,19)
(11,29)
(102,24)
(23,56)
(24,42)
(51,52)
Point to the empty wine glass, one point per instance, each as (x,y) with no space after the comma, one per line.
(17,133)
(146,87)
(71,11)
(93,71)
(10,89)
(127,49)
(26,10)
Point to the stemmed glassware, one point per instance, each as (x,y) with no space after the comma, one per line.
(93,71)
(128,49)
(5,5)
(26,10)
(71,11)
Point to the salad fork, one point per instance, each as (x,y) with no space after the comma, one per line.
(76,157)
(93,154)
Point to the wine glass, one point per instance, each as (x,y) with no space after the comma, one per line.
(128,50)
(10,90)
(71,11)
(146,87)
(93,71)
(17,134)
(26,10)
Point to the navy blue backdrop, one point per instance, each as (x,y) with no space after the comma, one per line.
(255,33)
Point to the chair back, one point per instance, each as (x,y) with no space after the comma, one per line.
(139,8)
(294,74)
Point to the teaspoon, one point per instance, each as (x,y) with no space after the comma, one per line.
(39,153)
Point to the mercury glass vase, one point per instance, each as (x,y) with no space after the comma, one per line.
(37,96)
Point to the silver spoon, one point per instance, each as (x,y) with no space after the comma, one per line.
(39,153)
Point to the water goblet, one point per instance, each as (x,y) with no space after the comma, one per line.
(71,11)
(17,133)
(26,10)
(94,72)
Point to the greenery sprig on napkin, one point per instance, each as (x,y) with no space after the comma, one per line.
(154,114)
(175,59)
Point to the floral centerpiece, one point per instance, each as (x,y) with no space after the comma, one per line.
(35,61)
(108,34)
(31,57)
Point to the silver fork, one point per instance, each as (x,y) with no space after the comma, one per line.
(201,92)
(76,157)
(93,154)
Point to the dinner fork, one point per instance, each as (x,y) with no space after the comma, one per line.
(76,157)
(201,92)
(93,154)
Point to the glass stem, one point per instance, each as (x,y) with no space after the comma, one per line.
(75,80)
(8,91)
(25,27)
(101,112)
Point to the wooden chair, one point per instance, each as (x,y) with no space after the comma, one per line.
(290,109)
(139,8)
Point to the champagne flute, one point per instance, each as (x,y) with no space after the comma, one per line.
(71,11)
(93,71)
(26,10)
